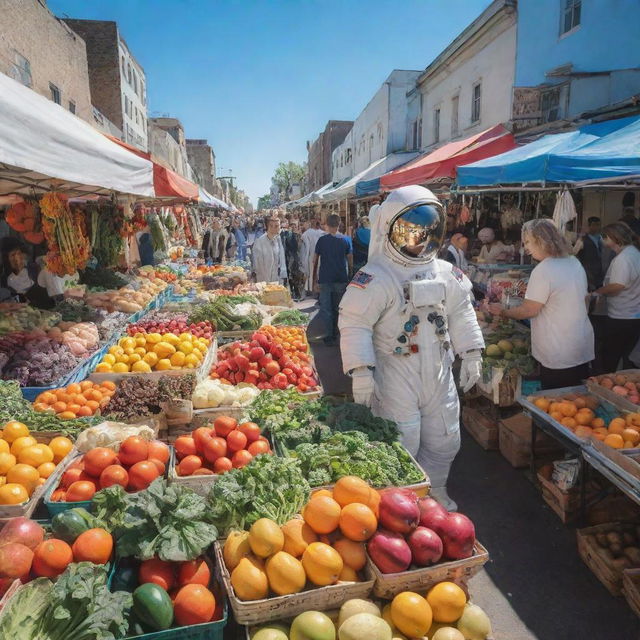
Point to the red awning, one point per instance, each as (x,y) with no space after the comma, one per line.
(166,183)
(442,162)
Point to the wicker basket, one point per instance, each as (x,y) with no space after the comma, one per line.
(610,577)
(630,589)
(278,607)
(389,585)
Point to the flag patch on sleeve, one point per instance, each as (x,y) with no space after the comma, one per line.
(458,274)
(361,280)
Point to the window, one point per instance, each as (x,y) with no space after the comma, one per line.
(72,106)
(570,15)
(129,74)
(550,104)
(136,112)
(135,83)
(475,102)
(124,69)
(143,95)
(436,125)
(455,101)
(348,156)
(412,142)
(55,93)
(20,70)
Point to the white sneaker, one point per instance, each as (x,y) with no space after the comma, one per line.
(440,495)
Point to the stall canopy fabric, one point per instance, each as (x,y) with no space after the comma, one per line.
(205,197)
(166,183)
(601,151)
(43,147)
(372,172)
(310,198)
(442,162)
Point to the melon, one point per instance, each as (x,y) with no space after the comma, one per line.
(493,351)
(474,624)
(505,345)
(355,606)
(365,625)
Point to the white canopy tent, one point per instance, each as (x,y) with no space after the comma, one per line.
(205,197)
(45,147)
(374,170)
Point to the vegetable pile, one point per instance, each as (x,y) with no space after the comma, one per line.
(223,318)
(290,317)
(176,326)
(77,400)
(210,394)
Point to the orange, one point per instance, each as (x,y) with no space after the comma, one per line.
(568,409)
(322,514)
(59,406)
(4,447)
(86,384)
(568,422)
(74,408)
(322,564)
(80,400)
(298,535)
(93,405)
(13,430)
(556,415)
(20,443)
(631,435)
(617,425)
(581,403)
(104,367)
(74,388)
(7,460)
(108,384)
(46,469)
(60,446)
(411,614)
(542,403)
(12,493)
(596,423)
(614,440)
(353,554)
(358,522)
(25,475)
(583,432)
(447,601)
(599,433)
(35,455)
(584,416)
(554,406)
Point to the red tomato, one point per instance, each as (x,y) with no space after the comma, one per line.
(188,465)
(185,446)
(201,436)
(161,465)
(251,430)
(258,447)
(224,426)
(158,451)
(114,474)
(222,465)
(142,474)
(158,572)
(215,448)
(236,441)
(203,471)
(241,459)
(98,459)
(272,368)
(133,449)
(194,572)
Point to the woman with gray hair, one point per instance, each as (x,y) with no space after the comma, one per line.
(556,302)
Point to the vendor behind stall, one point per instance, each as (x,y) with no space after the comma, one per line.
(56,285)
(556,302)
(493,250)
(21,279)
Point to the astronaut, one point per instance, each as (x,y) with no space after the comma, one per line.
(404,317)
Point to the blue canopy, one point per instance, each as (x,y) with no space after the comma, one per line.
(600,151)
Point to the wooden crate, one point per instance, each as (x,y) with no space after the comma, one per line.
(631,589)
(588,548)
(514,438)
(481,424)
(502,388)
(565,504)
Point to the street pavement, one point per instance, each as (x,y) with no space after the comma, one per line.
(535,586)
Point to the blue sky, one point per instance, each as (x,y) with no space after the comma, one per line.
(258,78)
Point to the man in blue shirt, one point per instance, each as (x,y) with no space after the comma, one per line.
(336,265)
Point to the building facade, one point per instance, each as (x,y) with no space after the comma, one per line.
(573,57)
(45,54)
(468,87)
(203,163)
(379,130)
(167,144)
(319,153)
(118,82)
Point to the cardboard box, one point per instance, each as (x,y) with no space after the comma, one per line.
(514,438)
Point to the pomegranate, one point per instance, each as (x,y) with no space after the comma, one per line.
(432,514)
(15,560)
(426,546)
(22,530)
(389,551)
(399,510)
(458,537)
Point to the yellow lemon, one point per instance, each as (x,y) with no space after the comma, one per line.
(186,337)
(141,351)
(35,455)
(116,350)
(171,338)
(185,347)
(104,367)
(164,349)
(140,367)
(151,358)
(191,361)
(123,358)
(141,341)
(163,365)
(177,359)
(22,442)
(154,338)
(205,341)
(129,351)
(7,460)
(109,358)
(46,469)
(138,335)
(13,430)
(24,474)
(127,343)
(12,493)
(134,357)
(120,367)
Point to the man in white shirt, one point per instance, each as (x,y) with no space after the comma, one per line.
(267,255)
(308,251)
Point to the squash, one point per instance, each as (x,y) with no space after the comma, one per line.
(322,564)
(285,573)
(249,580)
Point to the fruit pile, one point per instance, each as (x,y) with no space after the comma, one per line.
(134,467)
(26,553)
(199,330)
(76,400)
(167,594)
(143,353)
(274,358)
(625,385)
(443,613)
(219,448)
(419,532)
(578,413)
(323,547)
(25,464)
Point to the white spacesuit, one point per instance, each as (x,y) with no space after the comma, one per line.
(402,319)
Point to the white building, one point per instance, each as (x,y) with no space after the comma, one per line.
(379,130)
(468,87)
(134,98)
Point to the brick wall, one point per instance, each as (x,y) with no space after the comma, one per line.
(202,160)
(320,150)
(55,54)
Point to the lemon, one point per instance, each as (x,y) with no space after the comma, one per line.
(122,359)
(7,460)
(20,443)
(127,343)
(104,367)
(177,359)
(134,357)
(185,347)
(186,337)
(120,367)
(140,367)
(151,358)
(163,365)
(109,359)
(154,338)
(116,350)
(171,338)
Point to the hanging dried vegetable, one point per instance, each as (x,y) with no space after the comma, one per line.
(105,221)
(65,231)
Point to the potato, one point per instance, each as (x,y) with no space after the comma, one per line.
(614,538)
(601,539)
(633,555)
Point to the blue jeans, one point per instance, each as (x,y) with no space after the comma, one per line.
(330,296)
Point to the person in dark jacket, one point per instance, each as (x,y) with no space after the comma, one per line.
(361,239)
(145,248)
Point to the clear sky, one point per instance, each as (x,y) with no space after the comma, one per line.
(258,78)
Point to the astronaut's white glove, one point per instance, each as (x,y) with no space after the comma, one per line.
(470,369)
(362,385)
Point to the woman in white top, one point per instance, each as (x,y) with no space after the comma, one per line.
(556,302)
(493,250)
(622,288)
